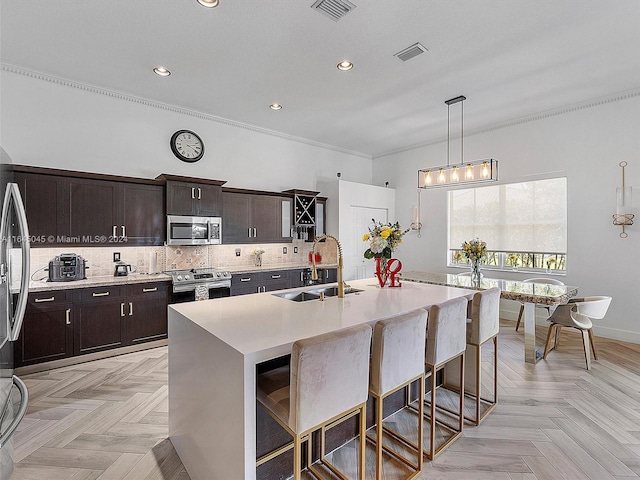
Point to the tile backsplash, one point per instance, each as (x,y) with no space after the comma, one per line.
(100,259)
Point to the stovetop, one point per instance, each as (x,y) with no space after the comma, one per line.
(197,275)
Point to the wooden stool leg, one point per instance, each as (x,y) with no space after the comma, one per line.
(593,346)
(585,342)
(519,317)
(552,329)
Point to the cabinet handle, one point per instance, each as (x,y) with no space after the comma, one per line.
(146,290)
(115,233)
(130,308)
(122,309)
(275,276)
(68,316)
(245,279)
(254,232)
(103,294)
(40,300)
(199,194)
(249,234)
(193,192)
(124,234)
(301,276)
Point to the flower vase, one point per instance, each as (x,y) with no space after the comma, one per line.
(475,272)
(258,260)
(381,271)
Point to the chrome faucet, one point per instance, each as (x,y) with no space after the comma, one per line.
(314,271)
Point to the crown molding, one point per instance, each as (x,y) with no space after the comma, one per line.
(18,70)
(617,97)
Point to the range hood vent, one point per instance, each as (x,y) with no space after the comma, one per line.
(334,9)
(410,52)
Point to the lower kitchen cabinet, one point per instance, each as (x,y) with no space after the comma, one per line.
(256,282)
(100,319)
(146,312)
(65,323)
(47,331)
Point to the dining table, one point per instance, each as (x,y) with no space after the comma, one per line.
(529,294)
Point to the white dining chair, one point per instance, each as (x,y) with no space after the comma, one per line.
(549,308)
(577,313)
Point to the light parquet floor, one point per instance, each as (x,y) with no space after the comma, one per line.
(108,420)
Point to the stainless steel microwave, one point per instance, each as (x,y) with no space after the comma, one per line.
(186,230)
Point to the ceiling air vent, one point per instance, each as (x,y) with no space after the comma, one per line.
(334,9)
(410,52)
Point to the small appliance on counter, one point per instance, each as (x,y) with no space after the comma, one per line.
(67,267)
(122,269)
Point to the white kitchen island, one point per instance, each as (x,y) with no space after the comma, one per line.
(214,347)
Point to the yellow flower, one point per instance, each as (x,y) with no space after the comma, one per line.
(365,237)
(385,233)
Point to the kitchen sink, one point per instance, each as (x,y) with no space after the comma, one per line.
(314,294)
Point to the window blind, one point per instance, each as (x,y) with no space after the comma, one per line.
(516,217)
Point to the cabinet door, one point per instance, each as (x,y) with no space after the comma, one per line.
(141,209)
(236,218)
(275,280)
(47,330)
(146,312)
(93,210)
(296,278)
(99,320)
(180,198)
(46,206)
(266,218)
(209,200)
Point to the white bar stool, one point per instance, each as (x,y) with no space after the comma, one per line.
(397,360)
(327,383)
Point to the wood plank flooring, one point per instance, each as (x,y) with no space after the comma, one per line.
(107,420)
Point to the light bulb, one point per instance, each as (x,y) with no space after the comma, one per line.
(469,172)
(454,174)
(441,176)
(427,178)
(485,170)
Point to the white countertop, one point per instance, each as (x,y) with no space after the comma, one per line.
(266,325)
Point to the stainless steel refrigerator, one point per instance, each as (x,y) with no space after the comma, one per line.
(14,288)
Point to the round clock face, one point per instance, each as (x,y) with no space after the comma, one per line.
(187,146)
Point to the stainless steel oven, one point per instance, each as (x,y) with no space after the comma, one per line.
(199,284)
(187,230)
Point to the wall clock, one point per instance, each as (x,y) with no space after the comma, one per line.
(187,146)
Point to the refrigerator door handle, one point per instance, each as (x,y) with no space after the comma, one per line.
(13,197)
(24,402)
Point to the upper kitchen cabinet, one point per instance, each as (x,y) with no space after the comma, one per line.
(255,217)
(193,196)
(65,207)
(307,208)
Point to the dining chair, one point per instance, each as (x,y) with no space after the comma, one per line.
(483,326)
(397,361)
(550,308)
(577,313)
(326,383)
(446,342)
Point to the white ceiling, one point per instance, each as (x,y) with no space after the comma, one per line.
(510,58)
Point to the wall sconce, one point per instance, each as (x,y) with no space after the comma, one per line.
(622,217)
(478,171)
(416,224)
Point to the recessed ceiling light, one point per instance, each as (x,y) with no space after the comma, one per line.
(208,3)
(345,65)
(163,72)
(275,106)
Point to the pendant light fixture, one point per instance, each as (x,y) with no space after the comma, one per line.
(477,171)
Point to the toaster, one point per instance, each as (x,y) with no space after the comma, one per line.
(67,267)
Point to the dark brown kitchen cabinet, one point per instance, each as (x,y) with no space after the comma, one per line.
(100,319)
(74,210)
(146,312)
(193,196)
(297,277)
(257,282)
(252,218)
(47,330)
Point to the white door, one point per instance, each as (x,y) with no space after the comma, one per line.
(355,265)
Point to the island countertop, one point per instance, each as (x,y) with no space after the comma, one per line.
(215,345)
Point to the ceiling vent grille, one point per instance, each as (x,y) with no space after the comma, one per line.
(410,52)
(334,9)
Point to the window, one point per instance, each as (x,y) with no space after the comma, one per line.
(523,224)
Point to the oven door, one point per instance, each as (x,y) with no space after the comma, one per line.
(183,230)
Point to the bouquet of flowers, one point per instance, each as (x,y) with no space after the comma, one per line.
(475,250)
(383,239)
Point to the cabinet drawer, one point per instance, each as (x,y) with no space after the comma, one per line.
(100,293)
(53,298)
(148,289)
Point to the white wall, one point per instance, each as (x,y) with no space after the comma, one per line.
(586,145)
(50,124)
